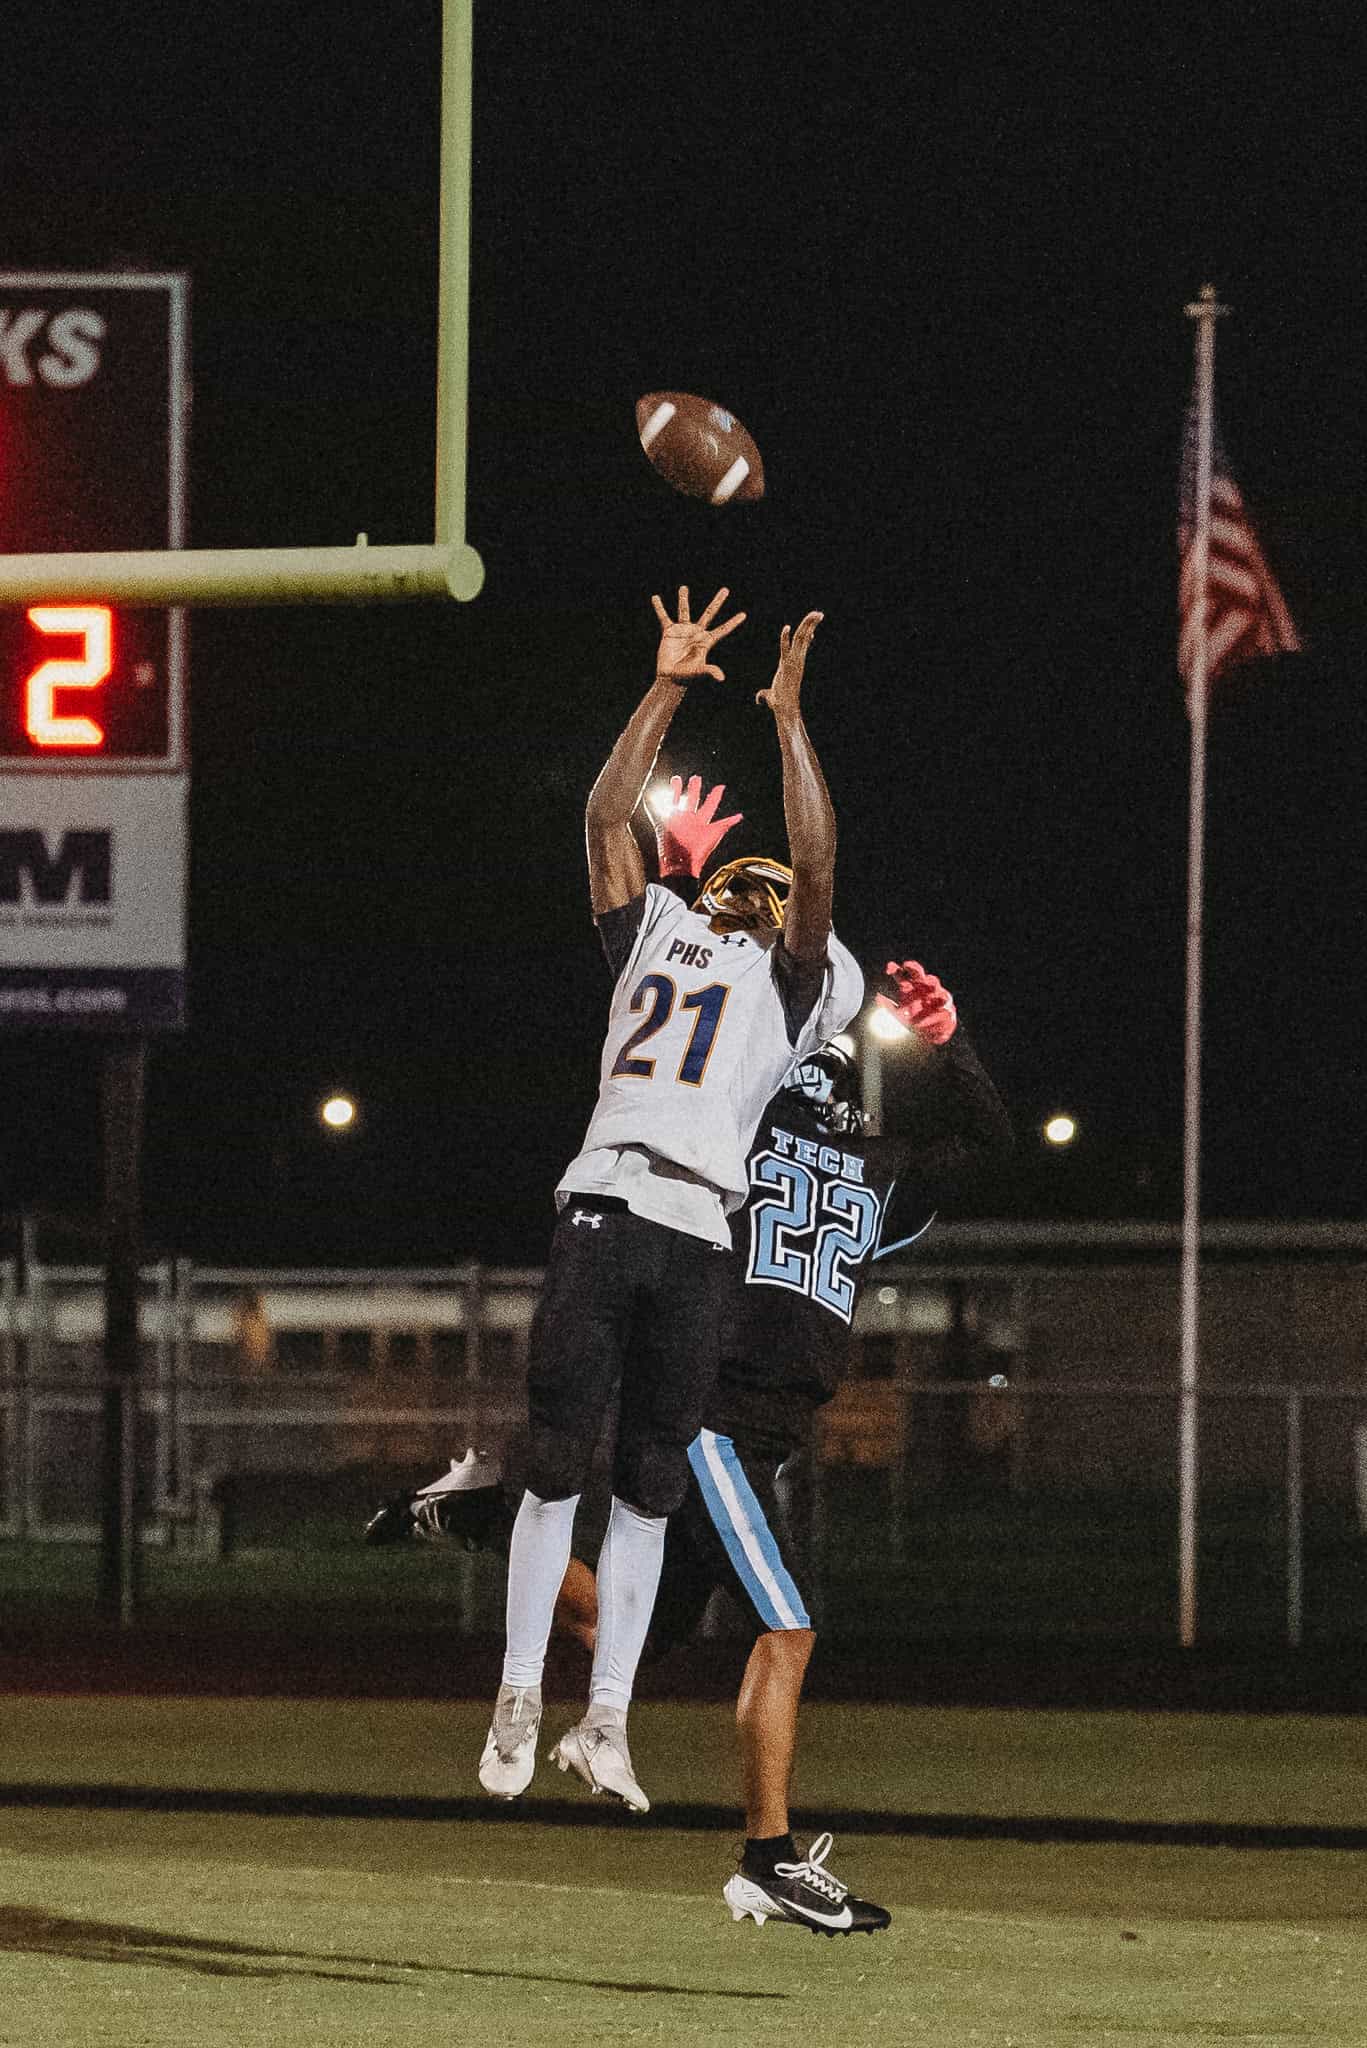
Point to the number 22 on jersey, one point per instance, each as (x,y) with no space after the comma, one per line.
(657,995)
(808,1233)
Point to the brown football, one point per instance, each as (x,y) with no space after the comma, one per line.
(700,448)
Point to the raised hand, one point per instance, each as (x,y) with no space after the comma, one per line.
(685,644)
(923,1004)
(691,830)
(785,691)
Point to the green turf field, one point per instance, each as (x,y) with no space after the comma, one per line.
(164,1929)
(1222,1770)
(194,1928)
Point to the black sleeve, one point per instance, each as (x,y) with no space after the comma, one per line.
(958,1127)
(618,928)
(799,983)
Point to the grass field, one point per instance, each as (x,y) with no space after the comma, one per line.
(329,1921)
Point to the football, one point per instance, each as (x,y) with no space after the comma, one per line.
(700,448)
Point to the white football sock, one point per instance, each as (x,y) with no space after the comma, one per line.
(537,1558)
(628,1576)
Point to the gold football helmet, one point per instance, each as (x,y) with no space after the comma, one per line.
(746,895)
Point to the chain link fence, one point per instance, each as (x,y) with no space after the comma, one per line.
(977,1475)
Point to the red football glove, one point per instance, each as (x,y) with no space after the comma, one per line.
(688,833)
(923,1004)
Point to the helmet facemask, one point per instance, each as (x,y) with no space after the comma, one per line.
(827,1085)
(746,895)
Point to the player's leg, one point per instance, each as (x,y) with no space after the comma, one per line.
(576,1605)
(736,1485)
(766,1723)
(597,1749)
(629,1564)
(774,1880)
(468,1506)
(574,1358)
(667,1377)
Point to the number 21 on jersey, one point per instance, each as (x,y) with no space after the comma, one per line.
(658,996)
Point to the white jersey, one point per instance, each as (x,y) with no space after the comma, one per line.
(698,1040)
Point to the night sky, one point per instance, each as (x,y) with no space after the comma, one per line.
(936,259)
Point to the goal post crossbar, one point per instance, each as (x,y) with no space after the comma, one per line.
(244,576)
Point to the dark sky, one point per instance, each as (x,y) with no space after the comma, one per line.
(936,259)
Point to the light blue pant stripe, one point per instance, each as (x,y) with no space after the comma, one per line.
(740,1522)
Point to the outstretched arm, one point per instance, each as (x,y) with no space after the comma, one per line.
(958,1125)
(616,870)
(807,811)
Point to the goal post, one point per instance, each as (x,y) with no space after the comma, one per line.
(94,787)
(445,567)
(453,282)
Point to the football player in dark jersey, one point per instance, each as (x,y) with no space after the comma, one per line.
(820,1190)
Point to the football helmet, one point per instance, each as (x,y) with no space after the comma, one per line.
(746,895)
(827,1084)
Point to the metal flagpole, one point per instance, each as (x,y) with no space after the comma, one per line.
(1204,312)
(871,1079)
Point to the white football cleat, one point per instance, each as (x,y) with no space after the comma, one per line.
(600,1755)
(509,1755)
(467,1475)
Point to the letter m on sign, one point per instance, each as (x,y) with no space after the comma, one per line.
(82,857)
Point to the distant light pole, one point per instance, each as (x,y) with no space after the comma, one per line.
(1059,1130)
(879,1032)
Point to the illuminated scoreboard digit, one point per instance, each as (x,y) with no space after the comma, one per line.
(54,650)
(94,404)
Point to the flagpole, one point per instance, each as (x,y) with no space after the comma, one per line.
(1204,312)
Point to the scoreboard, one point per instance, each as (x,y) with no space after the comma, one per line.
(94,409)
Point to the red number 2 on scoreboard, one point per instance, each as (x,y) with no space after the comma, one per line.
(93,624)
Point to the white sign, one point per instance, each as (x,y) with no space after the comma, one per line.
(92,901)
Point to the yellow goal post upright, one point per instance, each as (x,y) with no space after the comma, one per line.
(445,567)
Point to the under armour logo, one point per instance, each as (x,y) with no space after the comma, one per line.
(586,1216)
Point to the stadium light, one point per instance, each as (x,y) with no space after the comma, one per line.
(338,1112)
(883,1024)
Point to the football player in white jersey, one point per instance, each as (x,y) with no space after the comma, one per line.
(714,999)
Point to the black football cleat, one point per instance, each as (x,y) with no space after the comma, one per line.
(392,1523)
(806,1894)
(462,1505)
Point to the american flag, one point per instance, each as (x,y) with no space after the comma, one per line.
(1246,614)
